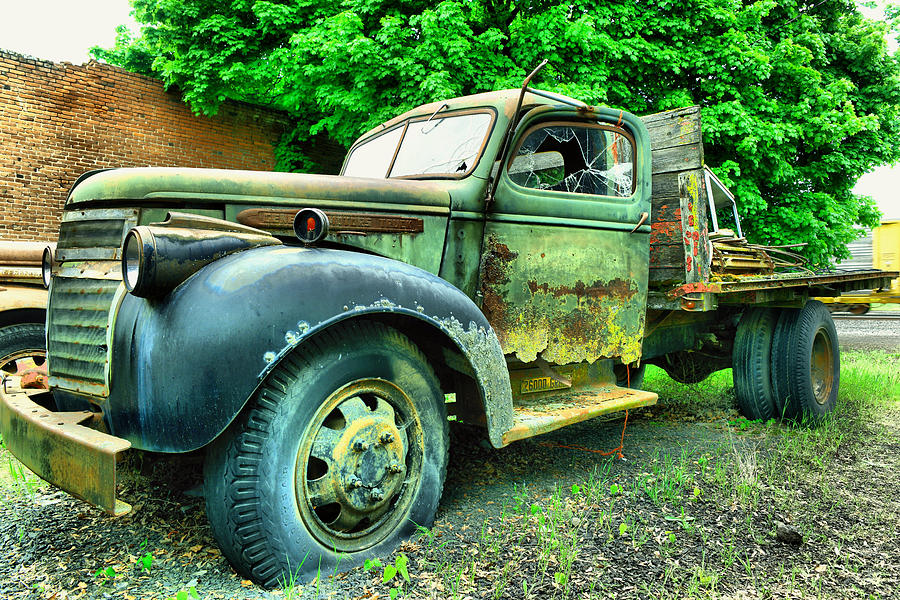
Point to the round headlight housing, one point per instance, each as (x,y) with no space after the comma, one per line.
(132,260)
(47,266)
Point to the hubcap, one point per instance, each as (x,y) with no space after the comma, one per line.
(822,367)
(30,365)
(358,464)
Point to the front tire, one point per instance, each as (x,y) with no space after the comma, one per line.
(339,457)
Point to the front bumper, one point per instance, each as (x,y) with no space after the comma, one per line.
(60,448)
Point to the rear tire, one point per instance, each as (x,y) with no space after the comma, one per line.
(806,362)
(339,457)
(752,363)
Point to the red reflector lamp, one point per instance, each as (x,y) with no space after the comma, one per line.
(310,225)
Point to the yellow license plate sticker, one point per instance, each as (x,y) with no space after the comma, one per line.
(532,385)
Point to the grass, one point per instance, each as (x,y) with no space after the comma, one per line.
(690,520)
(882,306)
(694,523)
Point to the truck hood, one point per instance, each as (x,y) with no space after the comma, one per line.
(156,184)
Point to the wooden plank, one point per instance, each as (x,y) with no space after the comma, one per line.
(678,211)
(674,128)
(668,255)
(665,232)
(666,212)
(677,158)
(665,277)
(665,185)
(669,115)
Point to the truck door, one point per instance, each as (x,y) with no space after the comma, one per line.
(565,260)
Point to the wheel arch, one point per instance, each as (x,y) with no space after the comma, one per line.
(237,318)
(460,356)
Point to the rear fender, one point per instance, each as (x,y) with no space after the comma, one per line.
(185,365)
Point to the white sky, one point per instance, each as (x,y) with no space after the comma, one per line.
(63,30)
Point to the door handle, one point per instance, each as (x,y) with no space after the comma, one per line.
(644,216)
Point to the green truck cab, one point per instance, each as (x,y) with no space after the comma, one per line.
(511,259)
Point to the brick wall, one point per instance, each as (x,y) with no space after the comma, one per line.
(59,120)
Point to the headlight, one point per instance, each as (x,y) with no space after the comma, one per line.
(158,258)
(47,266)
(133,266)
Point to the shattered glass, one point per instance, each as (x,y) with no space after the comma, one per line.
(577,159)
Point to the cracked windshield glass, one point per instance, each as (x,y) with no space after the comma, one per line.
(581,160)
(441,146)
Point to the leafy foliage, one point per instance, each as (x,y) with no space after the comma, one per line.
(800,97)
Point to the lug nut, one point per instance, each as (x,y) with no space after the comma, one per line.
(360,446)
(394,468)
(376,495)
(353,482)
(386,438)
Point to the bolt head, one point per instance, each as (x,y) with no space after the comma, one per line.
(386,438)
(376,495)
(394,468)
(360,446)
(353,482)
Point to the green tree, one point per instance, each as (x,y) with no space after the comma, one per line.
(800,97)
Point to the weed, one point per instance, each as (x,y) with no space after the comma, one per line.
(191,592)
(146,559)
(288,583)
(20,478)
(104,575)
(390,572)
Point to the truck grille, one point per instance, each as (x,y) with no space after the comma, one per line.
(82,295)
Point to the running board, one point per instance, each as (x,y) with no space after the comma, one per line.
(529,421)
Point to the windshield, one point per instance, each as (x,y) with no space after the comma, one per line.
(441,146)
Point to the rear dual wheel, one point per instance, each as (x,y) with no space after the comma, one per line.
(340,456)
(786,363)
(753,387)
(806,362)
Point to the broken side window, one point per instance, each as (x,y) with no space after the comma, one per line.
(582,159)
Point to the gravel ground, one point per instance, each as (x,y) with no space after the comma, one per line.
(54,547)
(53,543)
(869,333)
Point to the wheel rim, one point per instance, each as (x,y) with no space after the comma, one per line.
(30,364)
(359,464)
(822,367)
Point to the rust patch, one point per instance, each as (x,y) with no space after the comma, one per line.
(617,288)
(495,273)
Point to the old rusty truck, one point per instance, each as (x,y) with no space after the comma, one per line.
(511,259)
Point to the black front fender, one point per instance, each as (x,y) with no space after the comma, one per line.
(184,366)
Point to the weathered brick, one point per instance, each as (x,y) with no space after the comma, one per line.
(59,120)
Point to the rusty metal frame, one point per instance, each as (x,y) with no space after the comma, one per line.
(748,284)
(573,408)
(60,449)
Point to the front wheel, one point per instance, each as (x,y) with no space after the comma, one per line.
(340,456)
